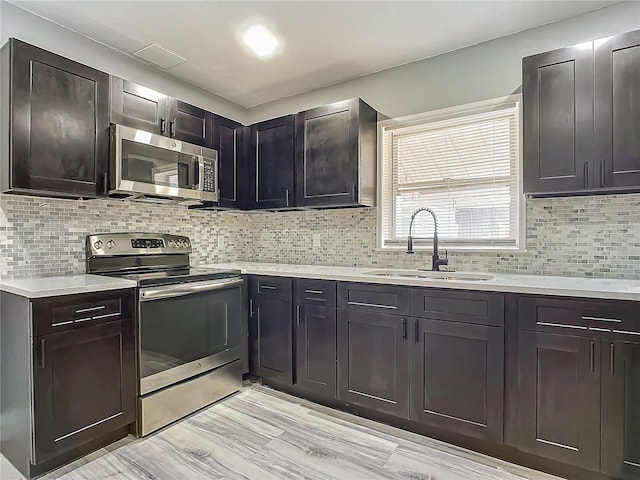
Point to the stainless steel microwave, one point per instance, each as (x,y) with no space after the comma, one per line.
(147,166)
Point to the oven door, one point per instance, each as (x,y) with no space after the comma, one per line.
(188,329)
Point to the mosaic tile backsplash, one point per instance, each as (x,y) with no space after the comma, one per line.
(595,236)
(45,236)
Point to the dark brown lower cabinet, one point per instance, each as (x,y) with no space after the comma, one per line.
(457,377)
(316,349)
(373,361)
(620,451)
(559,397)
(84,386)
(271,339)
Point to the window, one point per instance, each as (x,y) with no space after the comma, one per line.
(461,162)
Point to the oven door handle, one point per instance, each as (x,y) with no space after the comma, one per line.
(188,289)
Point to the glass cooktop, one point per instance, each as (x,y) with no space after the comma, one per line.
(175,275)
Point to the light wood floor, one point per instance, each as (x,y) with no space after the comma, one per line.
(263,434)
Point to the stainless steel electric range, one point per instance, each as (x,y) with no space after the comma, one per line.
(191,336)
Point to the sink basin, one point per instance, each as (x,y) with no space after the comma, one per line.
(430,275)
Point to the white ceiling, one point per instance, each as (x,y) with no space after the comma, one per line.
(325,42)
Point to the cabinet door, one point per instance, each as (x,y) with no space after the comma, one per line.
(373,361)
(227,140)
(138,107)
(557,92)
(457,377)
(59,123)
(316,349)
(190,124)
(271,337)
(620,409)
(84,386)
(326,157)
(270,163)
(559,398)
(617,110)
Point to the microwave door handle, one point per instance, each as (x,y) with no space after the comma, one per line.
(199,180)
(196,174)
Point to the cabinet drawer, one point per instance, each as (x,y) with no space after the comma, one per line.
(579,317)
(60,313)
(388,299)
(278,288)
(468,307)
(316,292)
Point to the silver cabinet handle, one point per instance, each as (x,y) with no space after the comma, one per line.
(363,304)
(601,319)
(315,292)
(188,289)
(268,287)
(92,309)
(562,325)
(287,197)
(613,358)
(42,352)
(298,315)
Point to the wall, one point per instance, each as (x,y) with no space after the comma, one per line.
(16,22)
(45,236)
(595,236)
(583,236)
(487,70)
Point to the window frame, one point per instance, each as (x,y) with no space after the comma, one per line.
(451,113)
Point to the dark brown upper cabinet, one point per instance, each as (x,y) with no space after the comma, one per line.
(140,107)
(557,90)
(228,142)
(617,111)
(580,118)
(269,161)
(55,117)
(335,155)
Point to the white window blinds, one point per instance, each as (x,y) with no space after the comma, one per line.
(463,163)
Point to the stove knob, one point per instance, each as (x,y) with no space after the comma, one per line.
(171,243)
(186,244)
(111,244)
(179,243)
(98,245)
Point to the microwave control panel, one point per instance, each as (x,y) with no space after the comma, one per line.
(209,178)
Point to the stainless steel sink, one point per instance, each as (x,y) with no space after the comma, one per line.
(430,275)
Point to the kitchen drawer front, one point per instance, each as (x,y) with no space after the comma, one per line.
(469,307)
(56,314)
(276,288)
(389,299)
(580,317)
(316,292)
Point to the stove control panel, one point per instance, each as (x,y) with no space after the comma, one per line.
(147,243)
(117,244)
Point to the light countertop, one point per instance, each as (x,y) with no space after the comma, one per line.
(40,287)
(533,284)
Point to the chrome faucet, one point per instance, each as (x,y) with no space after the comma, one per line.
(437,261)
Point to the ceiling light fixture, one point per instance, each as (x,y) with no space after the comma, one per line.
(260,40)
